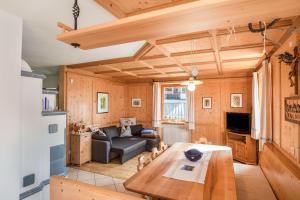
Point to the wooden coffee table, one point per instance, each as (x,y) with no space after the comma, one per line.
(219,181)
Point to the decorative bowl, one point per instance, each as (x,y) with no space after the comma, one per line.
(193,155)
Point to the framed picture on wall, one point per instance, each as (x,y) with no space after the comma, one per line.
(102,102)
(136,103)
(292,109)
(206,102)
(236,100)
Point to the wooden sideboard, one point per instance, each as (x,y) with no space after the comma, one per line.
(244,148)
(81,148)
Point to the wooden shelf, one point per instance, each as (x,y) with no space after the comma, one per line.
(243,147)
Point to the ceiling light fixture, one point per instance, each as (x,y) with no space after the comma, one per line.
(192,82)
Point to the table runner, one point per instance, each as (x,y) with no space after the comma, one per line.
(198,173)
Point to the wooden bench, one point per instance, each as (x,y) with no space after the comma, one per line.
(66,189)
(276,177)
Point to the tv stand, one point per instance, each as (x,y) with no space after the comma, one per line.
(244,148)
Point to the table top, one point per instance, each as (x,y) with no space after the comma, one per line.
(219,181)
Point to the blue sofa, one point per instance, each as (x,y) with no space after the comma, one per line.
(105,148)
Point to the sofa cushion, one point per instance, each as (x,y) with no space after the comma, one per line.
(136,129)
(111,131)
(127,144)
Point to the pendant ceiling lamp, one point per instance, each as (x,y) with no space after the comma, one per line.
(192,82)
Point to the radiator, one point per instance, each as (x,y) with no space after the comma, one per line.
(175,133)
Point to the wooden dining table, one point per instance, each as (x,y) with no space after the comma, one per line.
(219,181)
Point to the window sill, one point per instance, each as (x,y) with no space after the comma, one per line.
(173,122)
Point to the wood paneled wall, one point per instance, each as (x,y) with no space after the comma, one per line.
(145,92)
(80,100)
(286,135)
(210,123)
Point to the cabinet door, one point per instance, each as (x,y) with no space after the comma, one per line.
(75,157)
(240,151)
(85,152)
(232,146)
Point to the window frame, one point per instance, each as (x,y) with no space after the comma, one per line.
(170,121)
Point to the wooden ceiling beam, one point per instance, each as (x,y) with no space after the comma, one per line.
(106,72)
(101,62)
(118,70)
(189,17)
(153,57)
(284,37)
(166,5)
(216,48)
(164,51)
(112,8)
(176,72)
(240,60)
(185,53)
(143,51)
(149,74)
(205,34)
(165,66)
(64,27)
(198,63)
(200,77)
(229,48)
(151,67)
(135,69)
(245,46)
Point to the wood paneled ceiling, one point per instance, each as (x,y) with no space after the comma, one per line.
(215,53)
(126,8)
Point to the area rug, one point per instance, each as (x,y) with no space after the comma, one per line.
(114,169)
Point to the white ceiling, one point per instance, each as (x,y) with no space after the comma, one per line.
(40,47)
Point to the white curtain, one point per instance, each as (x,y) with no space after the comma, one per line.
(156,121)
(265,102)
(191,109)
(255,130)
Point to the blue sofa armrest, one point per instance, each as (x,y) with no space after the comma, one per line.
(100,151)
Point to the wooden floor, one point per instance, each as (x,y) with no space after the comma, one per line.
(115,168)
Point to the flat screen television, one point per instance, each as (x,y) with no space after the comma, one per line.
(238,122)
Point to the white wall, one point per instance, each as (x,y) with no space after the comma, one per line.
(10,68)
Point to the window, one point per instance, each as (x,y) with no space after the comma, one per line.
(174,100)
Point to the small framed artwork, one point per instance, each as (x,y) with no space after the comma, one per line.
(206,102)
(292,109)
(136,103)
(102,102)
(236,100)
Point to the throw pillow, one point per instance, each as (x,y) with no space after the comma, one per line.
(100,132)
(94,129)
(125,132)
(147,131)
(127,121)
